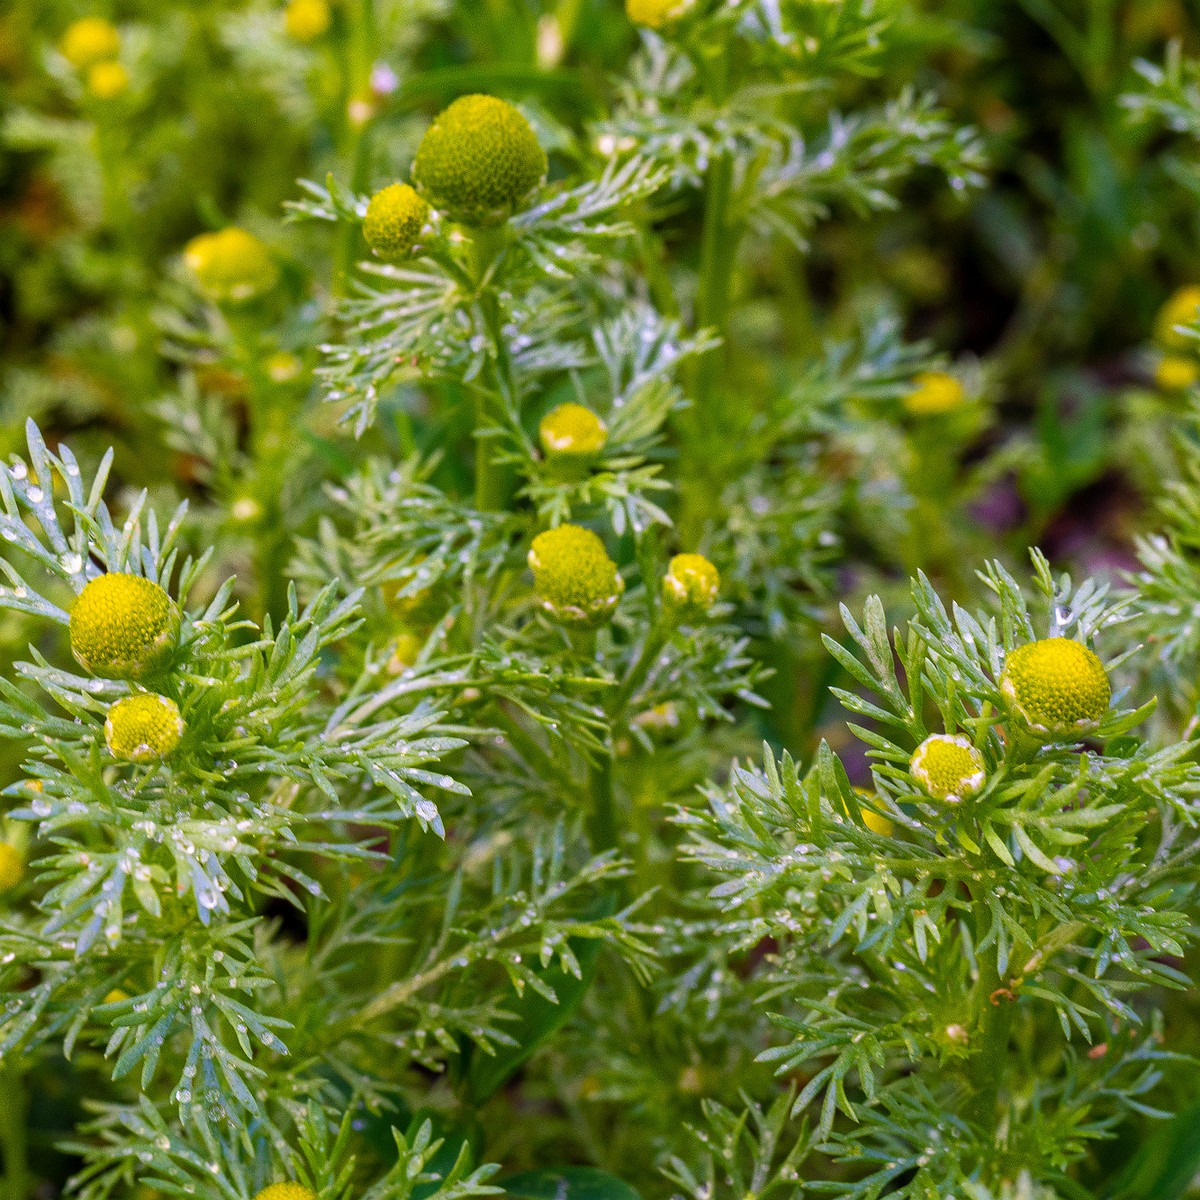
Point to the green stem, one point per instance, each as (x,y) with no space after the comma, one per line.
(656,639)
(492,483)
(13,1134)
(604,807)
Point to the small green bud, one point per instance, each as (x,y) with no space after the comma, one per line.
(1057,686)
(123,626)
(394,220)
(948,767)
(143,728)
(573,575)
(690,585)
(231,265)
(478,161)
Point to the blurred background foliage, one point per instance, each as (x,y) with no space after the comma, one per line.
(1042,291)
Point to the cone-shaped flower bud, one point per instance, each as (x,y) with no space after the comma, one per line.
(574,578)
(948,767)
(123,626)
(1057,686)
(88,41)
(143,728)
(394,220)
(572,432)
(935,395)
(286,1191)
(690,585)
(231,265)
(12,867)
(306,20)
(479,160)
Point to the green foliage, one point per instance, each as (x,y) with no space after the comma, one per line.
(445,893)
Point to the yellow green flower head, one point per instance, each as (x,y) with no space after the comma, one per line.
(107,80)
(231,264)
(1176,372)
(394,220)
(948,767)
(572,432)
(653,13)
(1058,686)
(306,20)
(89,41)
(143,728)
(286,1191)
(479,160)
(690,585)
(935,395)
(283,367)
(573,575)
(1183,308)
(12,867)
(875,822)
(123,626)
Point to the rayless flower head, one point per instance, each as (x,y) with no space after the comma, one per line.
(1057,686)
(89,41)
(12,867)
(948,767)
(1182,308)
(690,585)
(286,1191)
(231,265)
(654,14)
(394,221)
(1175,372)
(306,20)
(479,160)
(107,80)
(936,394)
(875,822)
(574,578)
(572,435)
(143,728)
(123,626)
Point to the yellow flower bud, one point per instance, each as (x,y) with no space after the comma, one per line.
(394,220)
(574,578)
(115,996)
(89,41)
(306,20)
(286,1191)
(1177,372)
(107,80)
(935,395)
(12,867)
(1057,686)
(231,265)
(479,160)
(572,434)
(1183,308)
(123,626)
(654,14)
(948,767)
(690,585)
(143,728)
